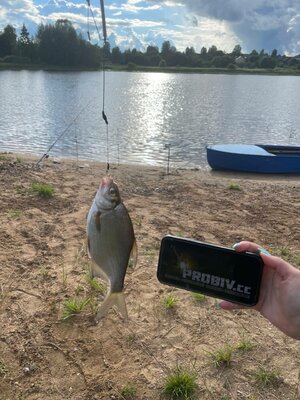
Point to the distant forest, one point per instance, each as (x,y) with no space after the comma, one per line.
(60,45)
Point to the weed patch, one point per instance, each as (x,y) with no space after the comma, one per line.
(266,377)
(73,307)
(222,356)
(180,384)
(43,190)
(169,301)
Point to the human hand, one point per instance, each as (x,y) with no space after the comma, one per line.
(279,299)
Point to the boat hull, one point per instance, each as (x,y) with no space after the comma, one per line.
(266,159)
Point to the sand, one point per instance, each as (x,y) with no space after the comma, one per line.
(44,264)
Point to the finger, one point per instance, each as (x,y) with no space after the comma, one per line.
(247,246)
(227,305)
(284,269)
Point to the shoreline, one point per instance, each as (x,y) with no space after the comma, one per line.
(209,174)
(183,70)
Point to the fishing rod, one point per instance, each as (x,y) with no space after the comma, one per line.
(46,155)
(104,83)
(105,41)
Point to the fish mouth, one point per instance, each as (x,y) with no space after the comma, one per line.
(106,181)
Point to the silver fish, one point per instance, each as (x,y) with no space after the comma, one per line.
(111,241)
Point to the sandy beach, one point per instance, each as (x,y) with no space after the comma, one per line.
(44,265)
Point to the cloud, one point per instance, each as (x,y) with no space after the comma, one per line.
(16,12)
(131,7)
(257,24)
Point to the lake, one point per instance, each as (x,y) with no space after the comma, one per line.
(146,111)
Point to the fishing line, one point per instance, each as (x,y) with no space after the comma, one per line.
(90,10)
(46,155)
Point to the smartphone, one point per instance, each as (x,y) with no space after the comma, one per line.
(209,269)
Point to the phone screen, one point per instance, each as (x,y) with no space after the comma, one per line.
(213,270)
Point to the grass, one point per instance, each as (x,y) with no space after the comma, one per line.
(95,285)
(138,220)
(198,296)
(169,301)
(14,213)
(149,252)
(43,190)
(266,377)
(64,277)
(222,356)
(3,369)
(245,345)
(180,384)
(128,392)
(234,186)
(3,158)
(73,307)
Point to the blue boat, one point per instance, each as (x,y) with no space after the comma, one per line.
(258,158)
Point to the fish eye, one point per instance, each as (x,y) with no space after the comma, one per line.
(112,191)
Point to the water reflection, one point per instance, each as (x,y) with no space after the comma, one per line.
(145,112)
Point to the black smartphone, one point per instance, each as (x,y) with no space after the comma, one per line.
(209,269)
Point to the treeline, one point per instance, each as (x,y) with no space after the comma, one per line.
(57,44)
(61,45)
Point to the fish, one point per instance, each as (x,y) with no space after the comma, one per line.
(111,243)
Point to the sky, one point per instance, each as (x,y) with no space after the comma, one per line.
(253,24)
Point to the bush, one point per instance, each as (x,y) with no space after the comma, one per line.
(131,66)
(268,62)
(232,67)
(16,60)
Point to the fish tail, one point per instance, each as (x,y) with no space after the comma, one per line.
(112,299)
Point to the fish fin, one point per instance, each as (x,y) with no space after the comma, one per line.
(97,220)
(89,247)
(134,254)
(112,299)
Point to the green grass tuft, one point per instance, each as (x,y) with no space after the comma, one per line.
(198,296)
(95,285)
(222,356)
(73,307)
(169,301)
(180,384)
(266,377)
(43,190)
(14,213)
(3,369)
(128,392)
(245,345)
(234,186)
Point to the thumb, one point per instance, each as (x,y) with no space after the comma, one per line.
(227,305)
(283,269)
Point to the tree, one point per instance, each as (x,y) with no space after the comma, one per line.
(116,56)
(274,53)
(237,51)
(268,62)
(152,56)
(203,51)
(192,57)
(25,44)
(212,51)
(221,61)
(8,41)
(60,45)
(168,52)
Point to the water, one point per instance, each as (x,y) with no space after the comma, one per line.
(145,111)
